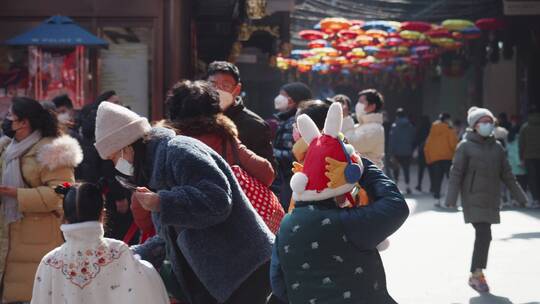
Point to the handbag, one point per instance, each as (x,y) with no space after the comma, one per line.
(260,196)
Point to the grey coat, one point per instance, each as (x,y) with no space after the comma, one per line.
(479,165)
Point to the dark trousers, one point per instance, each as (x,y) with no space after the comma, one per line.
(522,180)
(439,169)
(533,174)
(421,168)
(481,246)
(255,289)
(403,162)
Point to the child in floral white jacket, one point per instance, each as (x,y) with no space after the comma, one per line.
(89,268)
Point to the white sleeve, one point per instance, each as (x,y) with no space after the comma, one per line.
(42,292)
(156,284)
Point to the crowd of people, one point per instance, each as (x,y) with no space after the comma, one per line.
(101,205)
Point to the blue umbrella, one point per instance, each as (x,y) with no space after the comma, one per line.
(57,31)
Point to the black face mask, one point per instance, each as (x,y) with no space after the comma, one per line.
(7,128)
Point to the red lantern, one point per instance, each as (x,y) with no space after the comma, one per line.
(312,35)
(348,34)
(490,24)
(364,40)
(439,33)
(319,43)
(358,23)
(335,24)
(345,47)
(417,26)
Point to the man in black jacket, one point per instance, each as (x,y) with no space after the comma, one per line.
(253,131)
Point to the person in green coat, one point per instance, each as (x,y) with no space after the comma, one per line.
(479,165)
(324,253)
(529,149)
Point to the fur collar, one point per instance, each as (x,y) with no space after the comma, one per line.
(63,151)
(193,127)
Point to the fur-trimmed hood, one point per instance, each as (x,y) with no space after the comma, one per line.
(219,125)
(63,151)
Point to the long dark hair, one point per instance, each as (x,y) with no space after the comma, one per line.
(40,119)
(140,175)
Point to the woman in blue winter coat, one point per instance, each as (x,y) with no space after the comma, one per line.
(219,248)
(324,253)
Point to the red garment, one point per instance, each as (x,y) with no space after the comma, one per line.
(253,164)
(315,161)
(141,217)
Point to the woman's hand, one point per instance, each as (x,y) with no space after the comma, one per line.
(148,199)
(8,191)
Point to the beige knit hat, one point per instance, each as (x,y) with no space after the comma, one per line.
(117,127)
(475,113)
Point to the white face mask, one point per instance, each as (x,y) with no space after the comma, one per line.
(123,166)
(226,99)
(64,118)
(485,129)
(281,103)
(360,110)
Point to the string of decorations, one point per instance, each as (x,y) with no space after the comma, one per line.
(339,45)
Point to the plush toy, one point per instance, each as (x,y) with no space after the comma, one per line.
(331,167)
(342,169)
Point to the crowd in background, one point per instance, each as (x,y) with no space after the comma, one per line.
(184,205)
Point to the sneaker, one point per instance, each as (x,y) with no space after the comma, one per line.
(409,190)
(478,282)
(418,188)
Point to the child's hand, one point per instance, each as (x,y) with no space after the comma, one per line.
(148,199)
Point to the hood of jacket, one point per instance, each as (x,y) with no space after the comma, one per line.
(477,138)
(439,128)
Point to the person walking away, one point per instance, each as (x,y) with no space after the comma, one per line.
(35,159)
(529,149)
(106,271)
(324,253)
(402,136)
(253,131)
(518,168)
(286,103)
(439,151)
(198,209)
(479,165)
(367,137)
(422,132)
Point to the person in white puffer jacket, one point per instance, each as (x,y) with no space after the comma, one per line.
(367,136)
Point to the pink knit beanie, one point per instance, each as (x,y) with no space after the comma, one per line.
(117,127)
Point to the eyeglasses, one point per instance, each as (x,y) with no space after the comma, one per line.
(225,86)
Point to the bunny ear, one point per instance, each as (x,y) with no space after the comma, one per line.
(307,128)
(334,120)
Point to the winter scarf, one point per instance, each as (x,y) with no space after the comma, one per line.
(12,175)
